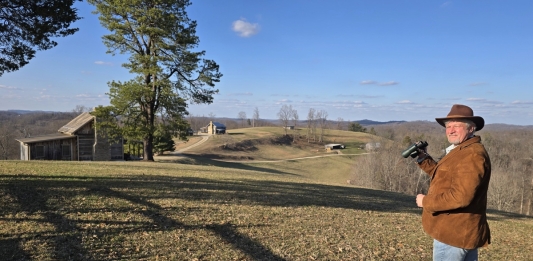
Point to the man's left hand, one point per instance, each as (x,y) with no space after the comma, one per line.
(419,199)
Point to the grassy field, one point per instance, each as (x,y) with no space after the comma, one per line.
(195,208)
(264,143)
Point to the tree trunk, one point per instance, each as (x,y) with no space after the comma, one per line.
(148,146)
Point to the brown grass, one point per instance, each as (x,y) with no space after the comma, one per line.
(268,143)
(231,211)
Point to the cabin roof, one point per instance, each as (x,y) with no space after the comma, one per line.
(76,124)
(55,136)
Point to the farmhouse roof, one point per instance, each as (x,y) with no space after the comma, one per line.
(76,123)
(55,136)
(218,124)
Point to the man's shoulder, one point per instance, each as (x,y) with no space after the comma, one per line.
(475,148)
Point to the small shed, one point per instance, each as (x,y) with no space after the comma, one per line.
(78,140)
(216,128)
(334,146)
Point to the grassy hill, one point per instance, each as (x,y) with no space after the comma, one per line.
(268,150)
(196,208)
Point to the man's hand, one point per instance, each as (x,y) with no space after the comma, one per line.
(419,199)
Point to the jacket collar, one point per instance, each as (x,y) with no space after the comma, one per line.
(464,144)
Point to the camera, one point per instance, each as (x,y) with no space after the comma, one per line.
(413,149)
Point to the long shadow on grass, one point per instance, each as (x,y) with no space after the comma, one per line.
(45,200)
(55,201)
(210,161)
(32,199)
(252,248)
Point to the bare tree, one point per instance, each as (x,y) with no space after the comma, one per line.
(242,117)
(285,114)
(255,117)
(80,109)
(322,118)
(196,121)
(5,142)
(340,121)
(311,124)
(294,118)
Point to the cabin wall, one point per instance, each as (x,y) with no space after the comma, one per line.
(86,141)
(51,150)
(117,150)
(102,149)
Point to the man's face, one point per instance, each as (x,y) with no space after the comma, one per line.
(457,131)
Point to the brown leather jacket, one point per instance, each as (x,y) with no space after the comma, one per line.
(455,207)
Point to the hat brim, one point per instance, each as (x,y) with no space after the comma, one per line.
(479,121)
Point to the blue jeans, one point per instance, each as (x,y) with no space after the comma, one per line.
(444,252)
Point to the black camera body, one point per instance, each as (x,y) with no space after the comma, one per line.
(413,149)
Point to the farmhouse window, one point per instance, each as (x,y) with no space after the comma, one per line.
(39,151)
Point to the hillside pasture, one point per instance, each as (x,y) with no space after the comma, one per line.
(171,211)
(270,143)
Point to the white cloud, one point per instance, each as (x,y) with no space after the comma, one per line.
(44,96)
(367,82)
(522,102)
(446,4)
(485,101)
(369,96)
(358,104)
(477,83)
(389,83)
(87,97)
(241,94)
(244,28)
(103,63)
(9,87)
(405,102)
(283,101)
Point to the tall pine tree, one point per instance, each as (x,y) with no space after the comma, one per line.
(161,41)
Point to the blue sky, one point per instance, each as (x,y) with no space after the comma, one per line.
(378,60)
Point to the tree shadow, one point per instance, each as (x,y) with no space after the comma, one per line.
(498,215)
(251,247)
(211,160)
(46,197)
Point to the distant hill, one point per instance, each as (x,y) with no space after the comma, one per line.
(28,111)
(364,122)
(503,127)
(371,122)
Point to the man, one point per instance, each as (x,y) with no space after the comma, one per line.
(454,210)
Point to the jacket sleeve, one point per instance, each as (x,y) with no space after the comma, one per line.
(427,165)
(466,175)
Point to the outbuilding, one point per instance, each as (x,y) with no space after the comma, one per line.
(334,146)
(216,128)
(78,140)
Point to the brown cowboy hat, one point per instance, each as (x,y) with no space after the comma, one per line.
(460,111)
